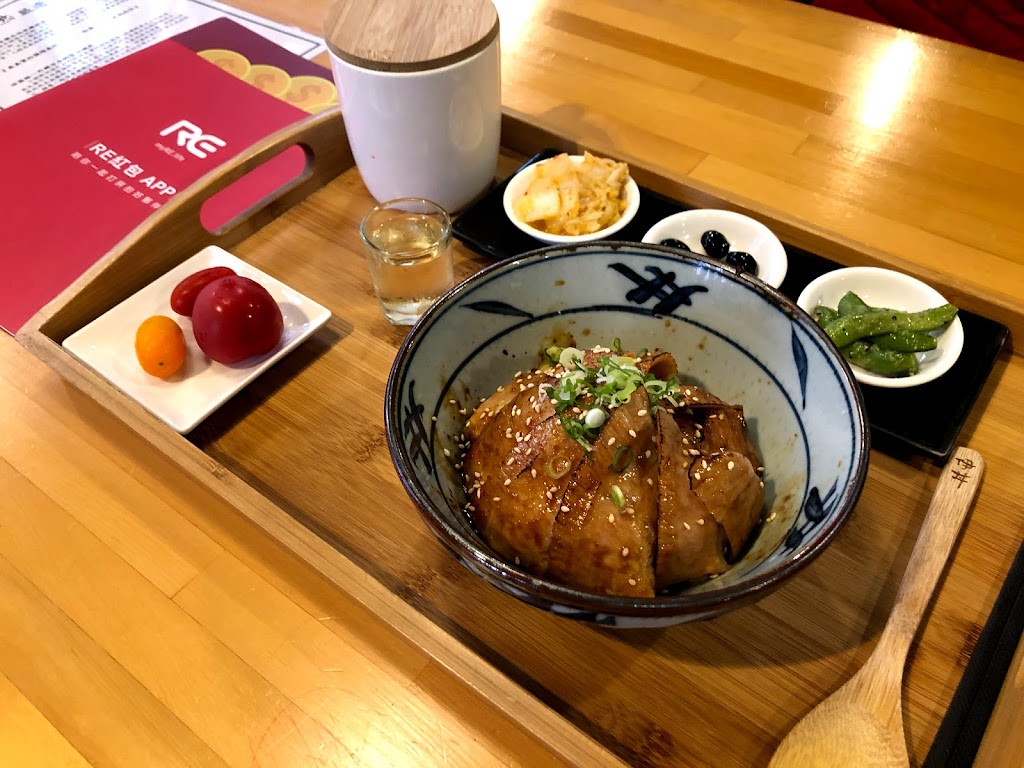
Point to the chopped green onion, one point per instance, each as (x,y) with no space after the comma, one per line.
(616,495)
(578,431)
(600,389)
(558,466)
(552,354)
(617,345)
(595,417)
(569,356)
(623,458)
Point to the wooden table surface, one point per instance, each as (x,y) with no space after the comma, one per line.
(144,622)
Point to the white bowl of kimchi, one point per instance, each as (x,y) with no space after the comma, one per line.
(572,198)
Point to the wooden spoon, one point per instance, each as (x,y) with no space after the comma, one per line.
(861,724)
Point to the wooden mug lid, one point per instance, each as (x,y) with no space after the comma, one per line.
(409,35)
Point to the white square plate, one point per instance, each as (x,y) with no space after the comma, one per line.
(107,345)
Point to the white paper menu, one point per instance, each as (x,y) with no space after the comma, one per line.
(44,43)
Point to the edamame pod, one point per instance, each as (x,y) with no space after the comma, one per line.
(824,315)
(846,330)
(876,359)
(906,341)
(852,304)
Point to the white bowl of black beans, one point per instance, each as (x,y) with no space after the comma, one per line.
(726,236)
(851,303)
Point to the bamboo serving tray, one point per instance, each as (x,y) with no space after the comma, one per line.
(301,452)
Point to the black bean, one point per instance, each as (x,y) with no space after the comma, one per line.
(671,242)
(742,261)
(714,244)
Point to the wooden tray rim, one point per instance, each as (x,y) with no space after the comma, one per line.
(323,137)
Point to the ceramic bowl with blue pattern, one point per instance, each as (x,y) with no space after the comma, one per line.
(730,333)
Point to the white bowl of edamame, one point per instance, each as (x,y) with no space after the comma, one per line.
(886,327)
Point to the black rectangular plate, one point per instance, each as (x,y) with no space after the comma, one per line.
(923,419)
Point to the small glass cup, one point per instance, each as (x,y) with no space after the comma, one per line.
(409,251)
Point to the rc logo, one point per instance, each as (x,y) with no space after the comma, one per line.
(192,138)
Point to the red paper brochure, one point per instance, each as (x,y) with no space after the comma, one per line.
(87,161)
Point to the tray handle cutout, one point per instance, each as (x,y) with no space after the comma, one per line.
(176,231)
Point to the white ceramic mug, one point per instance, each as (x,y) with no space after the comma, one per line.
(432,133)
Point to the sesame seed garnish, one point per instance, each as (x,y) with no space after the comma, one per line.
(533,473)
(632,582)
(517,559)
(642,412)
(447,452)
(686,525)
(611,517)
(650,481)
(549,494)
(632,433)
(496,498)
(522,387)
(508,481)
(501,388)
(760,469)
(452,402)
(696,475)
(647,455)
(770,517)
(704,463)
(700,521)
(518,374)
(611,441)
(433,418)
(462,411)
(730,465)
(694,452)
(761,483)
(529,420)
(625,551)
(627,511)
(564,508)
(476,474)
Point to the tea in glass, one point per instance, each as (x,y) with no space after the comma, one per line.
(409,252)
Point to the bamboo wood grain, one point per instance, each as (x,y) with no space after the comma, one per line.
(262,453)
(761,105)
(861,724)
(1003,743)
(81,691)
